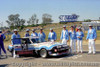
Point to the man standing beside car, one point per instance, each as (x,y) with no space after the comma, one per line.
(72,34)
(15,40)
(15,37)
(34,34)
(64,35)
(27,33)
(79,36)
(2,37)
(41,35)
(91,37)
(52,35)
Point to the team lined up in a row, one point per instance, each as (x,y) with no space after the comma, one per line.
(65,34)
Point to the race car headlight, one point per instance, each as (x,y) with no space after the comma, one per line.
(55,50)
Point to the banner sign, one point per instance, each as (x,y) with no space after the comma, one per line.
(68,18)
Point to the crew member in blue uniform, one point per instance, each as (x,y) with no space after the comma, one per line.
(41,35)
(91,37)
(27,33)
(15,40)
(64,35)
(72,34)
(79,36)
(52,35)
(34,34)
(15,37)
(2,37)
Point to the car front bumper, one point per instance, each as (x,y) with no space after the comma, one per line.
(58,54)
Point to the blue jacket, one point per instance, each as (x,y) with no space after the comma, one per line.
(27,34)
(42,37)
(35,34)
(15,39)
(92,34)
(2,37)
(53,37)
(72,35)
(66,35)
(81,35)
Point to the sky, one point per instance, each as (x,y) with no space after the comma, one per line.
(86,9)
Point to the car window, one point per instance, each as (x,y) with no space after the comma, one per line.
(34,40)
(26,41)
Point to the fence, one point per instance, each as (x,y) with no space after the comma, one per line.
(96,25)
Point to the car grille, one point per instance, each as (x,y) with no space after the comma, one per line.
(60,49)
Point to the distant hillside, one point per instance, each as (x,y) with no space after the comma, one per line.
(55,25)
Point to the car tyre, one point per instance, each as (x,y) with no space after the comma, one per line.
(43,53)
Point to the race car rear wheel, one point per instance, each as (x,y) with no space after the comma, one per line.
(43,53)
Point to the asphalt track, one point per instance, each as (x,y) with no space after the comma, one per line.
(77,60)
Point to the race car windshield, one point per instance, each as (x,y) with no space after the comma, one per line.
(33,40)
(27,41)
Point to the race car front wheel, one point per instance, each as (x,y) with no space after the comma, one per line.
(43,53)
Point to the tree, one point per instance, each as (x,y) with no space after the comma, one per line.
(15,21)
(32,20)
(28,22)
(46,18)
(22,22)
(37,20)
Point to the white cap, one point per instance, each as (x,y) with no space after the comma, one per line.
(27,29)
(64,25)
(41,28)
(51,28)
(15,30)
(90,25)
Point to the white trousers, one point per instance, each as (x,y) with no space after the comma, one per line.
(64,41)
(79,46)
(91,46)
(73,45)
(15,55)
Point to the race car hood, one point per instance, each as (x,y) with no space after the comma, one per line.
(47,45)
